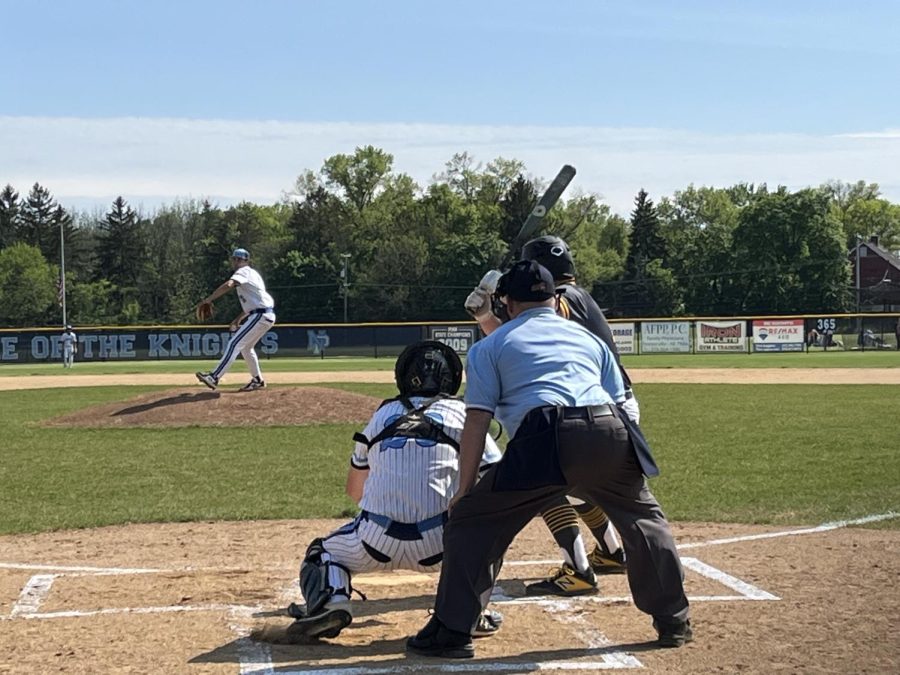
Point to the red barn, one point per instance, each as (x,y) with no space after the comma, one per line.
(879,276)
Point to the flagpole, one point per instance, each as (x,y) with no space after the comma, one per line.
(62,270)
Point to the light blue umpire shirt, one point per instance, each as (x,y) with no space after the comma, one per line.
(538,359)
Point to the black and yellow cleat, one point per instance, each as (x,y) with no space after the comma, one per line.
(565,582)
(607,563)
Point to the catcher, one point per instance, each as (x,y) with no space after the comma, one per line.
(577,575)
(403,472)
(255,320)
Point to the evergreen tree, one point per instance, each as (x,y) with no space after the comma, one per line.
(120,249)
(650,287)
(646,239)
(9,214)
(37,225)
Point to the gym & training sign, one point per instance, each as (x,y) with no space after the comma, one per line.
(721,336)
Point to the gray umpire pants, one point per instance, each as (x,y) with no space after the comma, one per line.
(594,461)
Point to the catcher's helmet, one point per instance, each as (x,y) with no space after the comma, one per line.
(553,253)
(428,368)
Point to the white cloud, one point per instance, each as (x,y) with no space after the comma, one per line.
(153,160)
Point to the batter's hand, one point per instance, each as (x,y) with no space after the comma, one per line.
(478,303)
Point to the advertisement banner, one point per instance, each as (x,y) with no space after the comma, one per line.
(623,336)
(209,342)
(721,336)
(778,335)
(665,337)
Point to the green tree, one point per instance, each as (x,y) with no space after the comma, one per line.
(9,214)
(169,279)
(120,250)
(789,249)
(649,287)
(698,226)
(27,286)
(358,176)
(842,198)
(645,242)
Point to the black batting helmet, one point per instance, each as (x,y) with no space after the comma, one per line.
(553,253)
(428,368)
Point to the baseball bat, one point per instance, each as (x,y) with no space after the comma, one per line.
(536,218)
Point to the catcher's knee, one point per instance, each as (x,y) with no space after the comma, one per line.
(315,585)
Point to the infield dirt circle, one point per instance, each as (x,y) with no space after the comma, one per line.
(185,597)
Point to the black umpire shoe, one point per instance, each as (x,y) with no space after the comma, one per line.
(673,633)
(435,639)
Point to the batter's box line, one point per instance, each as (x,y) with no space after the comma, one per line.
(745,590)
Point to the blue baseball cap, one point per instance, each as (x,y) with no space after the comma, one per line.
(241,254)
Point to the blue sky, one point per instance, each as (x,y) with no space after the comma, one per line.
(234,99)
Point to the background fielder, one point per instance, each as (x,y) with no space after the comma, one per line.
(258,308)
(69,342)
(403,471)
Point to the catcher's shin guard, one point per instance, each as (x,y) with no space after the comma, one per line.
(321,578)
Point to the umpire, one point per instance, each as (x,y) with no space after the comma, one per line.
(552,384)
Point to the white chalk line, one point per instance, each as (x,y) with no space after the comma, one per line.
(749,591)
(86,569)
(824,527)
(253,657)
(475,666)
(79,613)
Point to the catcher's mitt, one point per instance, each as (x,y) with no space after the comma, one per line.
(204,311)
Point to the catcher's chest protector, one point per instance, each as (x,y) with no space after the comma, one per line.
(414,424)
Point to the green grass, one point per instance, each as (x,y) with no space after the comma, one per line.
(278,364)
(760,454)
(774,454)
(884,359)
(830,359)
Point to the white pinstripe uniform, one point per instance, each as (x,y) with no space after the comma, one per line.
(409,481)
(260,308)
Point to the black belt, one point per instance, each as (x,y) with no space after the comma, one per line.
(629,394)
(261,310)
(586,412)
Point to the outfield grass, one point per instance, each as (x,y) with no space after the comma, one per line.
(785,454)
(871,359)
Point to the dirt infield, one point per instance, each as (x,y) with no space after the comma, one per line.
(183,597)
(638,376)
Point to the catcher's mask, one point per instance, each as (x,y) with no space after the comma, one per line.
(553,253)
(428,368)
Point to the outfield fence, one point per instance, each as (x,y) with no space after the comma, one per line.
(685,335)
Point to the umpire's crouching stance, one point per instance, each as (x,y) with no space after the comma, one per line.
(552,384)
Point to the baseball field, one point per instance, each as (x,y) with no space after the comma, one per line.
(150,525)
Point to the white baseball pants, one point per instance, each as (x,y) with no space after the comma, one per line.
(243,342)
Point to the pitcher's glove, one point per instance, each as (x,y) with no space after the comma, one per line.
(204,311)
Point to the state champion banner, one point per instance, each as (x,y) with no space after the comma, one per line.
(778,335)
(721,336)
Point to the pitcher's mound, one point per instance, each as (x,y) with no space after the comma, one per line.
(190,407)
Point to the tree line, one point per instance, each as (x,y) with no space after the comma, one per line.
(413,253)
